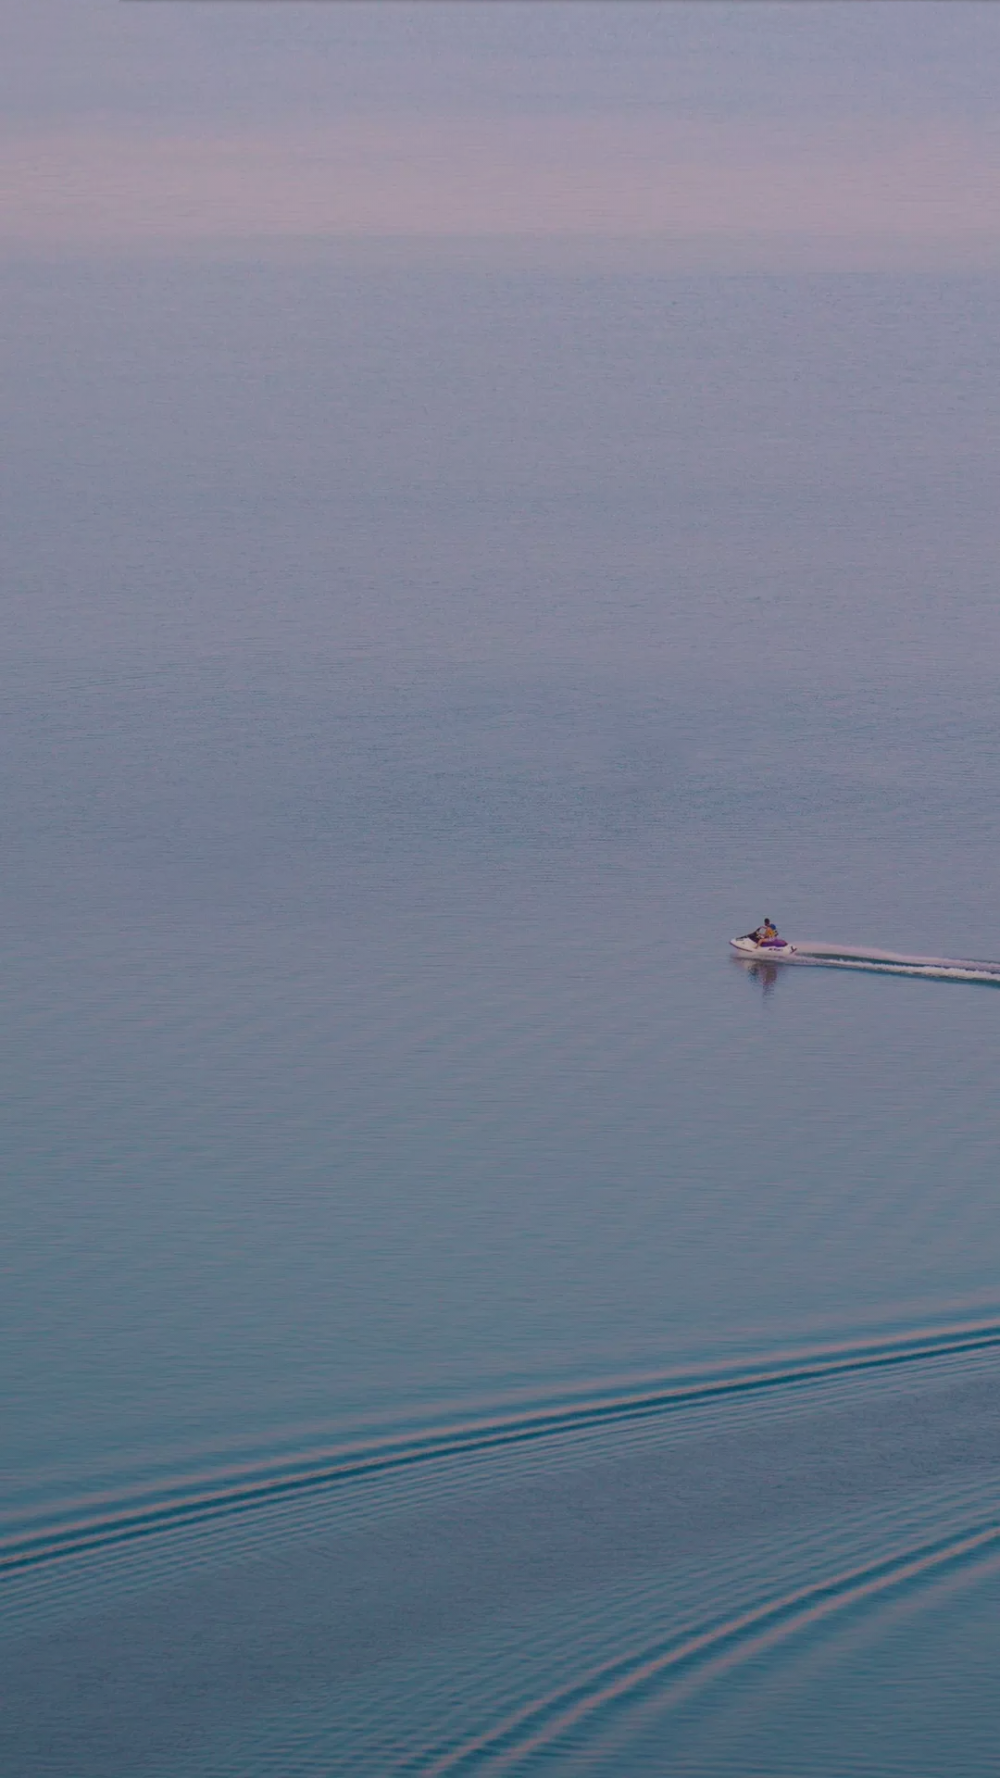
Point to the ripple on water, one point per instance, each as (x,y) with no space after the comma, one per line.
(542,1589)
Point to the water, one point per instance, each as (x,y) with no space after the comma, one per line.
(458,1317)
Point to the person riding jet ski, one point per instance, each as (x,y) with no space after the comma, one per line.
(765,934)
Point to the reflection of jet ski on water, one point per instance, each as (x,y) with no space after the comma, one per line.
(764,943)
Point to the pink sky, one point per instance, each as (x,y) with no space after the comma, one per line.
(155,157)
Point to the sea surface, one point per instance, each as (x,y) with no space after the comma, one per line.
(458,1318)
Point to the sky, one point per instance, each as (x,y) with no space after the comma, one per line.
(811,131)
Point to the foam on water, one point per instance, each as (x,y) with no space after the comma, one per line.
(829,956)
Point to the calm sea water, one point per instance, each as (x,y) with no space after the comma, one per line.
(457,1318)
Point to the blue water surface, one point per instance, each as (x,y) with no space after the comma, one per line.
(458,1317)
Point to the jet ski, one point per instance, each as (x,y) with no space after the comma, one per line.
(773,948)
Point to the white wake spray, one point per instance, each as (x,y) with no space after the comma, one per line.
(964,969)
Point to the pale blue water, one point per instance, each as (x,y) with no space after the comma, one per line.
(458,1319)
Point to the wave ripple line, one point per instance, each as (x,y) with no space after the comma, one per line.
(353,1462)
(700,1656)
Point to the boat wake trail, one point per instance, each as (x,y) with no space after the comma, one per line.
(662,1675)
(212,1496)
(958,969)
